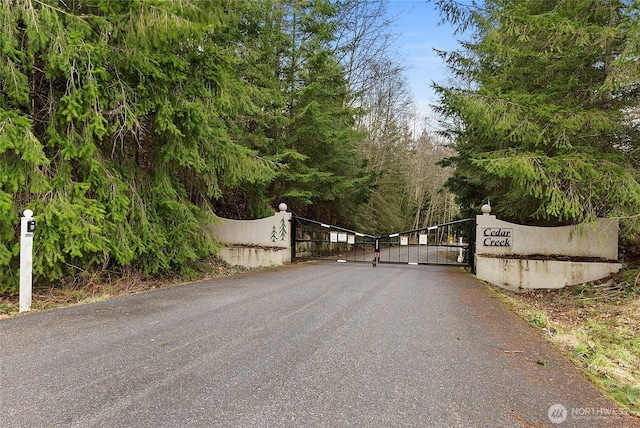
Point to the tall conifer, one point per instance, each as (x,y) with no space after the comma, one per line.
(539,128)
(112,132)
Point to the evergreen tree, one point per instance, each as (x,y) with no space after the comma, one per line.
(541,117)
(127,125)
(255,108)
(112,132)
(297,113)
(331,177)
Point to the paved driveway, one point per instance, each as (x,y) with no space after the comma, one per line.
(323,344)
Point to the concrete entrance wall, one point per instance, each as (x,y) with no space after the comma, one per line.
(519,257)
(256,243)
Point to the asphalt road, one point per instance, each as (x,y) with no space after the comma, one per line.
(335,345)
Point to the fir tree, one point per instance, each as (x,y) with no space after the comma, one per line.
(538,126)
(112,132)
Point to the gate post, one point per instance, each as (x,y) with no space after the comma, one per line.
(27,227)
(376,252)
(472,245)
(293,237)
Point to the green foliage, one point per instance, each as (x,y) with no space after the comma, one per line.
(111,132)
(295,112)
(539,128)
(331,177)
(125,125)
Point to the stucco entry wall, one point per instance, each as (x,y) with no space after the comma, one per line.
(504,253)
(255,243)
(599,240)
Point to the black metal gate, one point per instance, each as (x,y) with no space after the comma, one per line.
(313,240)
(443,244)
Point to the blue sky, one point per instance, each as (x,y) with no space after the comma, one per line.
(418,33)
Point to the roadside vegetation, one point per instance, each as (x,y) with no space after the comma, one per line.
(91,287)
(543,113)
(597,326)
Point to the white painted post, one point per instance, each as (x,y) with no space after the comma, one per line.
(27,226)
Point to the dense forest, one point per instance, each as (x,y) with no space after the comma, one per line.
(128,126)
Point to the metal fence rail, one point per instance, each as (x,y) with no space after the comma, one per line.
(445,244)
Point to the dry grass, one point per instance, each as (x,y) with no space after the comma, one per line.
(597,326)
(88,288)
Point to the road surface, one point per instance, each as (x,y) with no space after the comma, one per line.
(313,345)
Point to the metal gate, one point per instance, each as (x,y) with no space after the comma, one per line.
(443,244)
(313,240)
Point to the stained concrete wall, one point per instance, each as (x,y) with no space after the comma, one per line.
(255,243)
(505,253)
(252,257)
(527,274)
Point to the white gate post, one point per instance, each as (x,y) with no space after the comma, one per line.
(27,226)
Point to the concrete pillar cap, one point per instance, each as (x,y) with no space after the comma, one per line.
(486,209)
(282,207)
